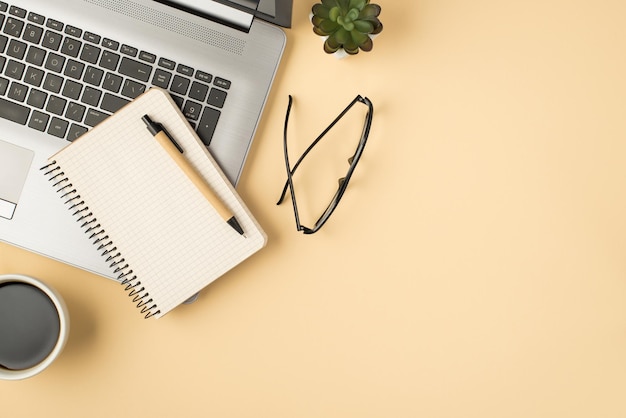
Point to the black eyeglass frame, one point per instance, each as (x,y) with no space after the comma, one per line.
(343,182)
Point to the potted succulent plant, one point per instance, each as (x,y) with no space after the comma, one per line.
(348,25)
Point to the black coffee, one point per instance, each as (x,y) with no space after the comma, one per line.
(29,326)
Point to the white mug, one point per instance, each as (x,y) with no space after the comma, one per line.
(28,305)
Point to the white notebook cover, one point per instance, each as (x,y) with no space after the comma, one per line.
(170,238)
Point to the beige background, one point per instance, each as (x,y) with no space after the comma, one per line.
(474,269)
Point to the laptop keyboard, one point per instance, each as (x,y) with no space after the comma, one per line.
(59,79)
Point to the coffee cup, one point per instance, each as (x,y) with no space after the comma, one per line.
(34,326)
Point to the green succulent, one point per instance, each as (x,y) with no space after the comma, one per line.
(347,23)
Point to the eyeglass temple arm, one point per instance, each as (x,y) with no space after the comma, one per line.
(287,166)
(358,98)
(343,182)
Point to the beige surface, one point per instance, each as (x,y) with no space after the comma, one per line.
(474,269)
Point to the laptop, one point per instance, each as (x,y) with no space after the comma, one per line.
(66,65)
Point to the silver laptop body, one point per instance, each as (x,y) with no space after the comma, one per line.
(225,68)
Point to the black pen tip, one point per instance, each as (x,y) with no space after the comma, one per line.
(153,127)
(233,222)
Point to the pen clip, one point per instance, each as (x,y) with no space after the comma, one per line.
(156,127)
(178,147)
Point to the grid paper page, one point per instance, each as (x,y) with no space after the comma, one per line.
(167,232)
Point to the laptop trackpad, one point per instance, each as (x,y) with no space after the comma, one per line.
(14,165)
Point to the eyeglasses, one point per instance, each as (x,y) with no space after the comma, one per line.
(343,182)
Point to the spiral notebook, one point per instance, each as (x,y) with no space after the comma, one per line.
(163,239)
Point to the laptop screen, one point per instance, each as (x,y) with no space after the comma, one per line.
(238,12)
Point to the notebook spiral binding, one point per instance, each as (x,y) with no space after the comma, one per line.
(99,237)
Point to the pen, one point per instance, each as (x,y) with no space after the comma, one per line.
(176,152)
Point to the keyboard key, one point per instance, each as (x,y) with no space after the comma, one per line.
(71,47)
(55,62)
(74,69)
(13,27)
(161,78)
(93,76)
(56,105)
(3,6)
(135,69)
(58,127)
(14,69)
(206,126)
(32,33)
(129,50)
(109,60)
(198,91)
(217,97)
(52,40)
(13,112)
(220,82)
(73,31)
(202,76)
(33,76)
(75,112)
(16,49)
(3,61)
(178,100)
(167,64)
(53,83)
(148,57)
(39,121)
(180,85)
(54,24)
(185,70)
(3,40)
(36,18)
(92,37)
(112,103)
(35,56)
(132,89)
(72,89)
(17,92)
(112,82)
(75,132)
(192,110)
(91,96)
(110,44)
(4,85)
(90,53)
(94,117)
(37,98)
(17,11)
